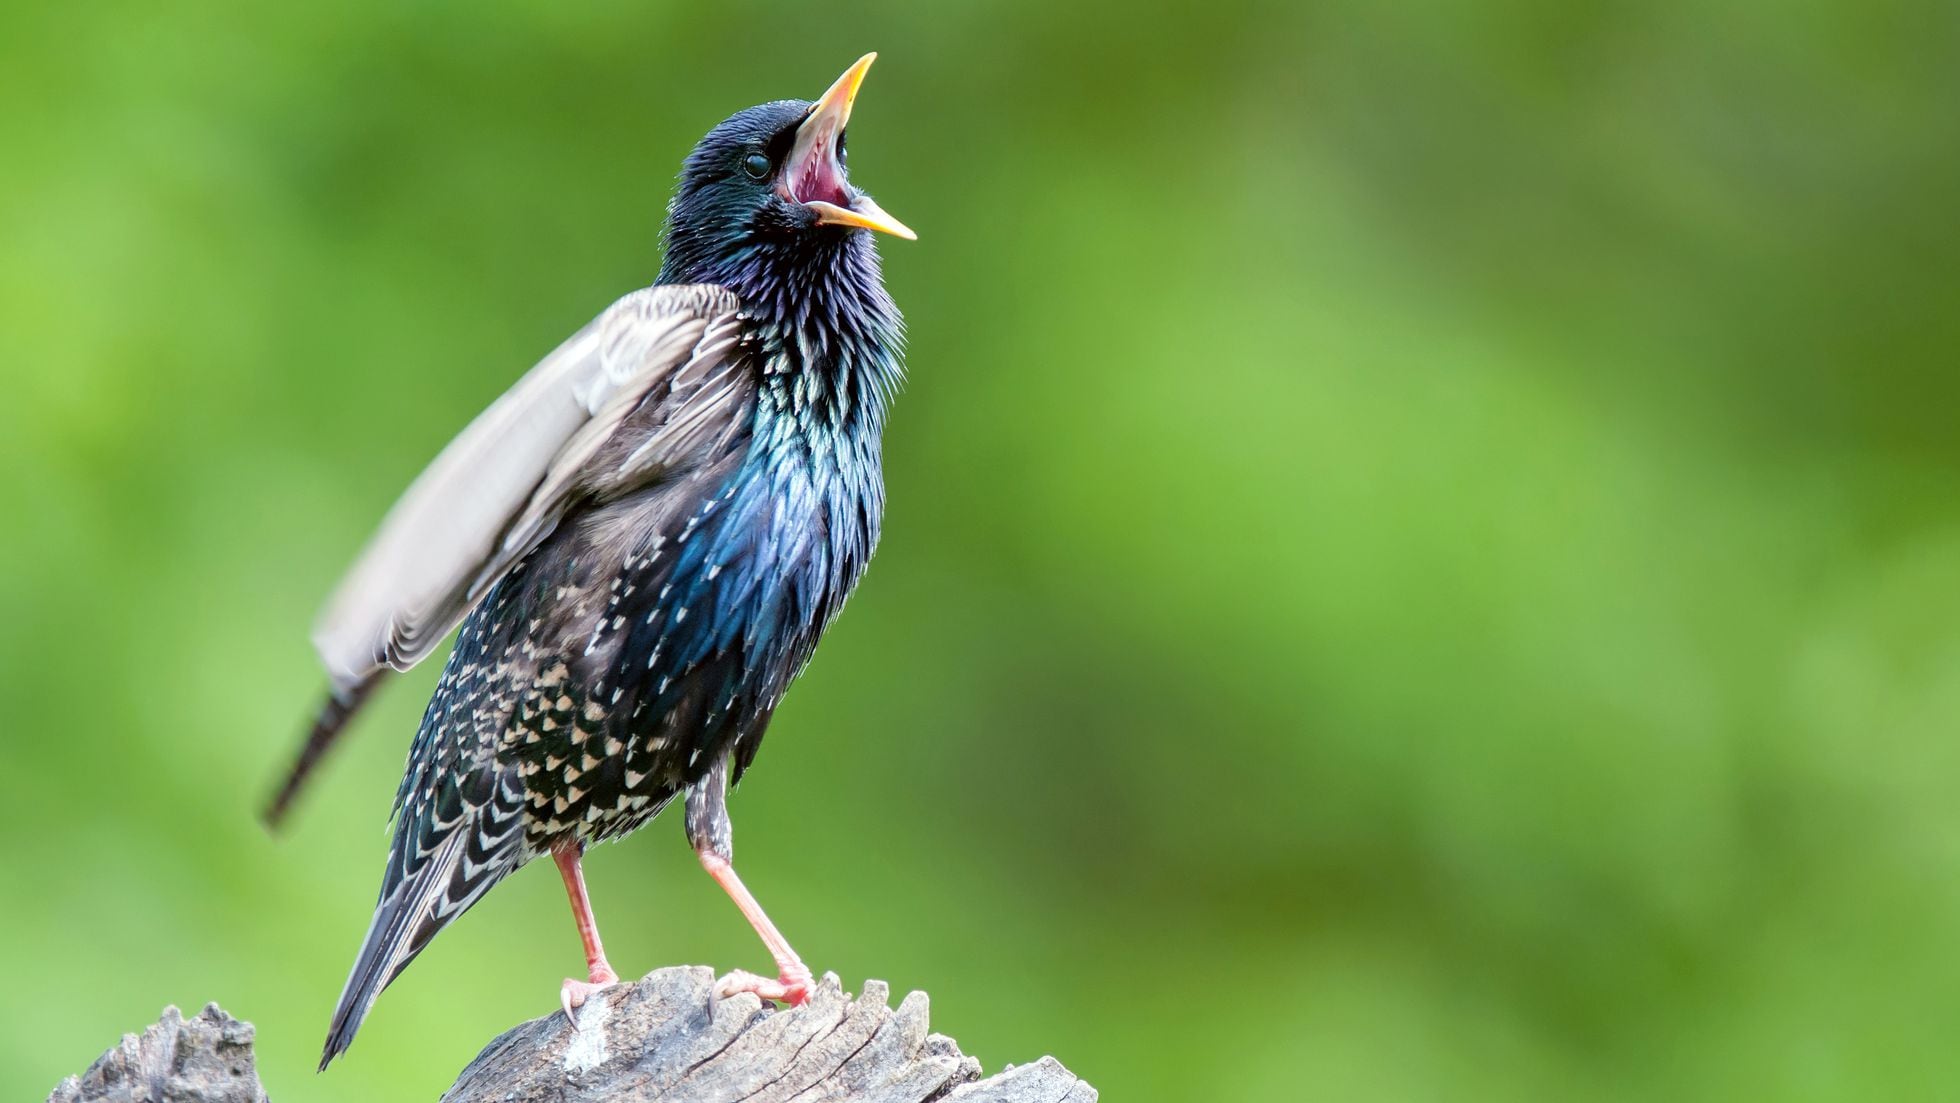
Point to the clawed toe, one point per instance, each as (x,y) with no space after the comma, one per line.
(792,987)
(573,993)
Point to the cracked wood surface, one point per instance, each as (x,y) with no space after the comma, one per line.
(666,1038)
(669,1038)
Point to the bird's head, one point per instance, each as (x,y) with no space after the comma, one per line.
(768,187)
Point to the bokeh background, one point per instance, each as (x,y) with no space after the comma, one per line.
(1423,561)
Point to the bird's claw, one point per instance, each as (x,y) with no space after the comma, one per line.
(573,993)
(793,987)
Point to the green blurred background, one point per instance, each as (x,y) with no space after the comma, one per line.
(1423,557)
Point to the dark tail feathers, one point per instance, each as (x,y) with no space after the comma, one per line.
(386,951)
(470,857)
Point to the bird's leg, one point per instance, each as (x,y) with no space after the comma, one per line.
(575,992)
(792,984)
(713,839)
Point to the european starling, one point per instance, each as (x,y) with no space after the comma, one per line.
(642,540)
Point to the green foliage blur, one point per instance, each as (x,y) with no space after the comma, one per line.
(1423,559)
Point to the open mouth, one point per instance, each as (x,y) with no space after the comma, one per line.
(812,174)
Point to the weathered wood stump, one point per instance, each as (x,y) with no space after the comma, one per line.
(204,1060)
(666,1038)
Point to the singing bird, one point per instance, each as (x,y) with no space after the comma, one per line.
(643,540)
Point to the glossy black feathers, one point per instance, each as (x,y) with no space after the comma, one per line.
(632,628)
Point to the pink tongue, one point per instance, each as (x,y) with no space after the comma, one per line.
(816,179)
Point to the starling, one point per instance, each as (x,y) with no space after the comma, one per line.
(642,540)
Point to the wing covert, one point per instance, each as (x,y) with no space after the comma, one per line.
(502,485)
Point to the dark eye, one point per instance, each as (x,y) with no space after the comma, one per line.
(757,166)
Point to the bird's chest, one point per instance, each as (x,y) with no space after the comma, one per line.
(683,629)
(746,579)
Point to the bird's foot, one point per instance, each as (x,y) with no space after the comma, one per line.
(573,993)
(792,987)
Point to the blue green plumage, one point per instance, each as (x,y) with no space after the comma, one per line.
(640,648)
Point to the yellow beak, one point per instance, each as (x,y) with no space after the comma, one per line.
(814,156)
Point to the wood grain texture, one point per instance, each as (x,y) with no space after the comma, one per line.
(669,1038)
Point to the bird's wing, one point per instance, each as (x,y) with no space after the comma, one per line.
(500,487)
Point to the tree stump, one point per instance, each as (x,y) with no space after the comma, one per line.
(667,1038)
(205,1060)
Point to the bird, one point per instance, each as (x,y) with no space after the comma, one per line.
(642,542)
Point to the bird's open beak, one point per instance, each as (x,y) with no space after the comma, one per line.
(813,177)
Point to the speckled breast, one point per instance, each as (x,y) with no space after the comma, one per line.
(675,633)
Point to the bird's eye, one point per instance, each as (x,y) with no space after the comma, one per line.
(756,165)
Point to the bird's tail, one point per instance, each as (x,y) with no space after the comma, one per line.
(430,881)
(339,707)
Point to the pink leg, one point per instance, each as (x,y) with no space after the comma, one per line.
(792,984)
(576,992)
